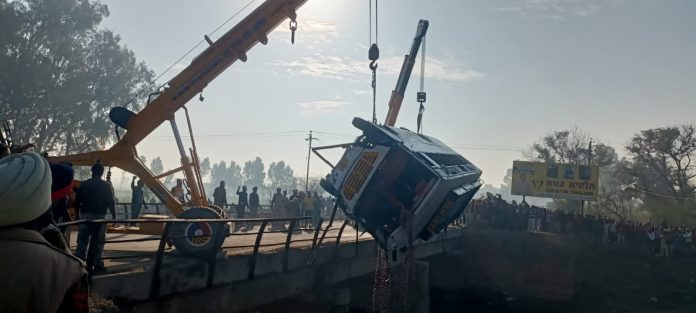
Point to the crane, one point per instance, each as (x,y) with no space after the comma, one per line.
(397,95)
(218,56)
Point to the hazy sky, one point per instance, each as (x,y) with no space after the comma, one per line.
(499,73)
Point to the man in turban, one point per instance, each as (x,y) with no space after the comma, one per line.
(93,199)
(35,276)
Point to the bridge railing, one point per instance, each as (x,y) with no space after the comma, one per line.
(123,210)
(210,257)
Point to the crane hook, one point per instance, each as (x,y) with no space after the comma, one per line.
(293,28)
(373,55)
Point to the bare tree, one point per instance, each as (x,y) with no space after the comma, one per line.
(662,171)
(564,146)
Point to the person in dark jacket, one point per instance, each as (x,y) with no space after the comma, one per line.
(62,175)
(94,198)
(254,202)
(137,198)
(242,203)
(278,209)
(220,196)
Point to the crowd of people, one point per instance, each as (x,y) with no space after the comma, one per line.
(661,239)
(297,204)
(248,205)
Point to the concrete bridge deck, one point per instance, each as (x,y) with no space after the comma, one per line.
(239,243)
(241,280)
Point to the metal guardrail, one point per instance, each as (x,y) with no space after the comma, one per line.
(210,257)
(124,208)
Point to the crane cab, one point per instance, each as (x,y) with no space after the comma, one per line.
(394,182)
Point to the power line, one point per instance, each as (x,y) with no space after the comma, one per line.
(240,134)
(231,17)
(154,81)
(660,195)
(486,148)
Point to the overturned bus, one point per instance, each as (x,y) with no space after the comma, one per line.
(398,185)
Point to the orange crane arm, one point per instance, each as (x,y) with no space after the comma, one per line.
(232,46)
(397,95)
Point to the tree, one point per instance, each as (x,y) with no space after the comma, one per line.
(280,175)
(253,173)
(613,198)
(156,166)
(205,168)
(662,171)
(62,72)
(234,174)
(565,146)
(218,172)
(667,153)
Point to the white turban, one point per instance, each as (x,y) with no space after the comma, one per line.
(25,188)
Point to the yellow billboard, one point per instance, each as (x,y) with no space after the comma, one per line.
(555,180)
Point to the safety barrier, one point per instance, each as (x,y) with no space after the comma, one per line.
(210,257)
(124,208)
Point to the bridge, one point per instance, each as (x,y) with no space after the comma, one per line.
(256,267)
(267,270)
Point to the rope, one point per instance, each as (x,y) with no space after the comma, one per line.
(421,107)
(374,95)
(373,55)
(376,22)
(139,92)
(381,289)
(422,69)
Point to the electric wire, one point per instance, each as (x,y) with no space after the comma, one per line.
(661,195)
(154,81)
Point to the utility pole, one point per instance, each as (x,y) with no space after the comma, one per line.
(589,163)
(309,155)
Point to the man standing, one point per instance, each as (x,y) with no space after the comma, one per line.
(254,202)
(293,206)
(220,196)
(137,198)
(277,208)
(293,195)
(242,203)
(94,197)
(63,175)
(35,276)
(178,190)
